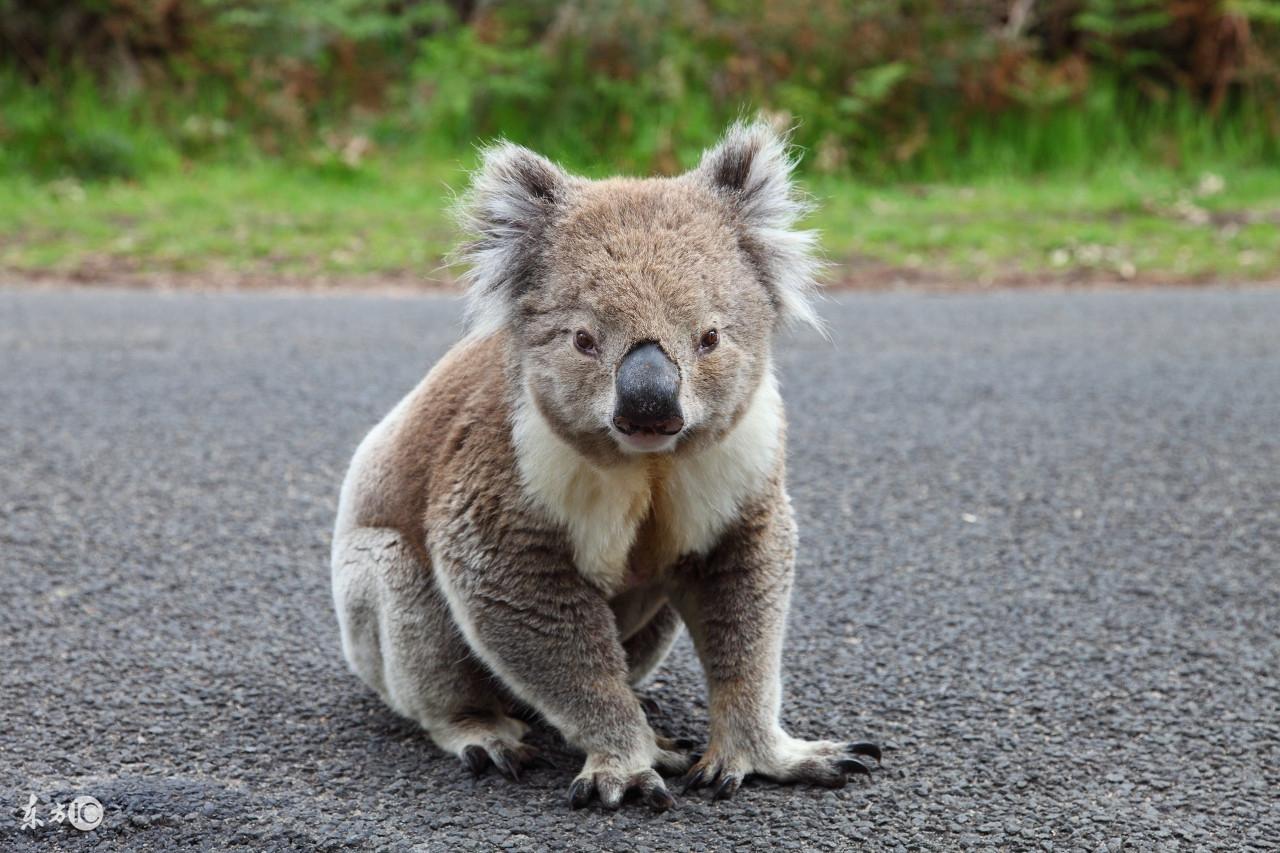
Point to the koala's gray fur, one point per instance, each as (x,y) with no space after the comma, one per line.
(501,548)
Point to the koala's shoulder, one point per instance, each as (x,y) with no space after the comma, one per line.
(452,430)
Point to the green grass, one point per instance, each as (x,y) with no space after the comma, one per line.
(1139,223)
(258,220)
(265,222)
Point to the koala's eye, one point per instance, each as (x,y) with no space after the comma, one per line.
(710,339)
(584,342)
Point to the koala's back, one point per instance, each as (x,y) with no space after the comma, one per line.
(456,419)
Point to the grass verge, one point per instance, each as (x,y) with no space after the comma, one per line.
(386,222)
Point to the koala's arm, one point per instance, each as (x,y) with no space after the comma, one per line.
(550,636)
(735,607)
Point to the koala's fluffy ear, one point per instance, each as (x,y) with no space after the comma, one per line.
(514,197)
(751,170)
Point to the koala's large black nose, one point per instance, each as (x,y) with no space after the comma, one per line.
(648,385)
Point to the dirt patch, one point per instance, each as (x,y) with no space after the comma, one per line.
(110,274)
(852,274)
(863,274)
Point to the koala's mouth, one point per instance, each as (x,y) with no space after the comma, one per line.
(645,440)
(668,426)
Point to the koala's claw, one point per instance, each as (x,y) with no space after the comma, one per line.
(611,789)
(863,747)
(853,765)
(726,781)
(475,759)
(651,708)
(729,785)
(706,774)
(700,774)
(580,793)
(506,765)
(661,799)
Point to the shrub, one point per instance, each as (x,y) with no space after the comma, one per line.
(877,87)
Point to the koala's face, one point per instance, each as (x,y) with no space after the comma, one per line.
(648,329)
(643,310)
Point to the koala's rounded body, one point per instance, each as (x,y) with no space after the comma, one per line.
(598,463)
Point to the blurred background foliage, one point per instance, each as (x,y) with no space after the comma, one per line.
(881,89)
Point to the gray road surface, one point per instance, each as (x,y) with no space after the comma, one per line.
(1040,559)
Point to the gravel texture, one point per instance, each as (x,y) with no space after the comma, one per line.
(1040,559)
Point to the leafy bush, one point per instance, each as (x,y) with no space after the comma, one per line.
(71,132)
(877,87)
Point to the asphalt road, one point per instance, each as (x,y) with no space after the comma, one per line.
(1040,559)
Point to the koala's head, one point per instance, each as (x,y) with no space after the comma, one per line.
(641,312)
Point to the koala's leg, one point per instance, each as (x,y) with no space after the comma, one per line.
(648,647)
(645,650)
(398,637)
(736,608)
(552,638)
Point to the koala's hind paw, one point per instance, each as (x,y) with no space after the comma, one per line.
(673,756)
(483,742)
(723,774)
(510,761)
(824,763)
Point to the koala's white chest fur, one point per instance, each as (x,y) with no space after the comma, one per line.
(668,507)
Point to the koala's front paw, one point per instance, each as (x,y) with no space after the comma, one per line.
(788,760)
(610,778)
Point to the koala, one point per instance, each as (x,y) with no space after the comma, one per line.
(597,464)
